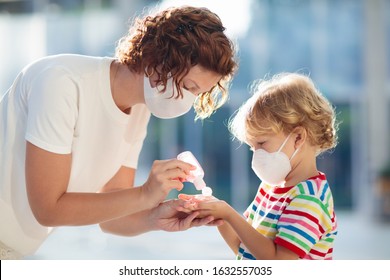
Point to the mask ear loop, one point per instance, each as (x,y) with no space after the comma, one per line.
(284,143)
(295,152)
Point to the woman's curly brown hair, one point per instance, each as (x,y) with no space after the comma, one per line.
(173,41)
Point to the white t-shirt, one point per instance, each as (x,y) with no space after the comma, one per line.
(62,104)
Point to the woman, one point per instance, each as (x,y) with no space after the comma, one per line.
(72,128)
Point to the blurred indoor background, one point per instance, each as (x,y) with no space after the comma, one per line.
(343,44)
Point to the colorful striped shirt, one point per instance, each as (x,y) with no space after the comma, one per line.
(300,218)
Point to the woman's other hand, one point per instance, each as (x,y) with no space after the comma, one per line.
(165,175)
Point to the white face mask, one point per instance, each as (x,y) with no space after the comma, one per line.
(272,168)
(163,104)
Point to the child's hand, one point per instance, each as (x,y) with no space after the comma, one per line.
(190,206)
(191,201)
(205,205)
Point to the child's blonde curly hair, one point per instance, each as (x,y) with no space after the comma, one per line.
(286,101)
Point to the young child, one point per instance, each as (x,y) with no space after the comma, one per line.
(287,123)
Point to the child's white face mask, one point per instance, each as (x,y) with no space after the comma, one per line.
(272,168)
(164,105)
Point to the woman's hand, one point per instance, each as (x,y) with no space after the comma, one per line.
(164,176)
(169,217)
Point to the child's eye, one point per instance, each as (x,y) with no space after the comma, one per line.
(256,146)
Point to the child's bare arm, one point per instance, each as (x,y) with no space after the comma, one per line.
(230,237)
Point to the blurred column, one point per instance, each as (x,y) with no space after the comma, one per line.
(240,186)
(319,41)
(376,102)
(39,6)
(193,136)
(259,41)
(15,31)
(168,138)
(93,4)
(128,9)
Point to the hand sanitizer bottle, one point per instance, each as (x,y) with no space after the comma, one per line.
(198,173)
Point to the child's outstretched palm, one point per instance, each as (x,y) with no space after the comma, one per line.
(206,205)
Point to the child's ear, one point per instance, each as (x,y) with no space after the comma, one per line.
(300,134)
